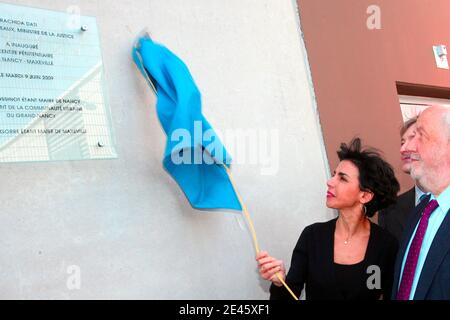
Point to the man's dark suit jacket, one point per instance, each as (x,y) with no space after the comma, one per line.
(434,281)
(394,218)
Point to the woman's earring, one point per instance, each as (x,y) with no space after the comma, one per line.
(365,209)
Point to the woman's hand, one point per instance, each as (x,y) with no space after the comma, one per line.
(269,266)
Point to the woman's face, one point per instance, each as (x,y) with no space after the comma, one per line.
(343,187)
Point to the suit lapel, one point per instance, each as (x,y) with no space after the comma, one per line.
(439,248)
(407,234)
(405,207)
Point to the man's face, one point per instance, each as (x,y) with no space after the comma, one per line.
(405,154)
(428,148)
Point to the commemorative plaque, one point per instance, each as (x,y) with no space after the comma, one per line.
(53,101)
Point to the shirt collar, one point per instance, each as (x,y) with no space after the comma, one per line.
(443,199)
(419,193)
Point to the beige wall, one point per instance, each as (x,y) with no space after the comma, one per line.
(125,222)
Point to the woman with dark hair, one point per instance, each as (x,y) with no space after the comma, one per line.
(347,258)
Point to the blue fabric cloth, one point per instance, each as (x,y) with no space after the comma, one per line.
(193,154)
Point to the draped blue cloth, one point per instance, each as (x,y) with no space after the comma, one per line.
(193,154)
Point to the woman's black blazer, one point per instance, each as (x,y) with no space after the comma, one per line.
(312,265)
